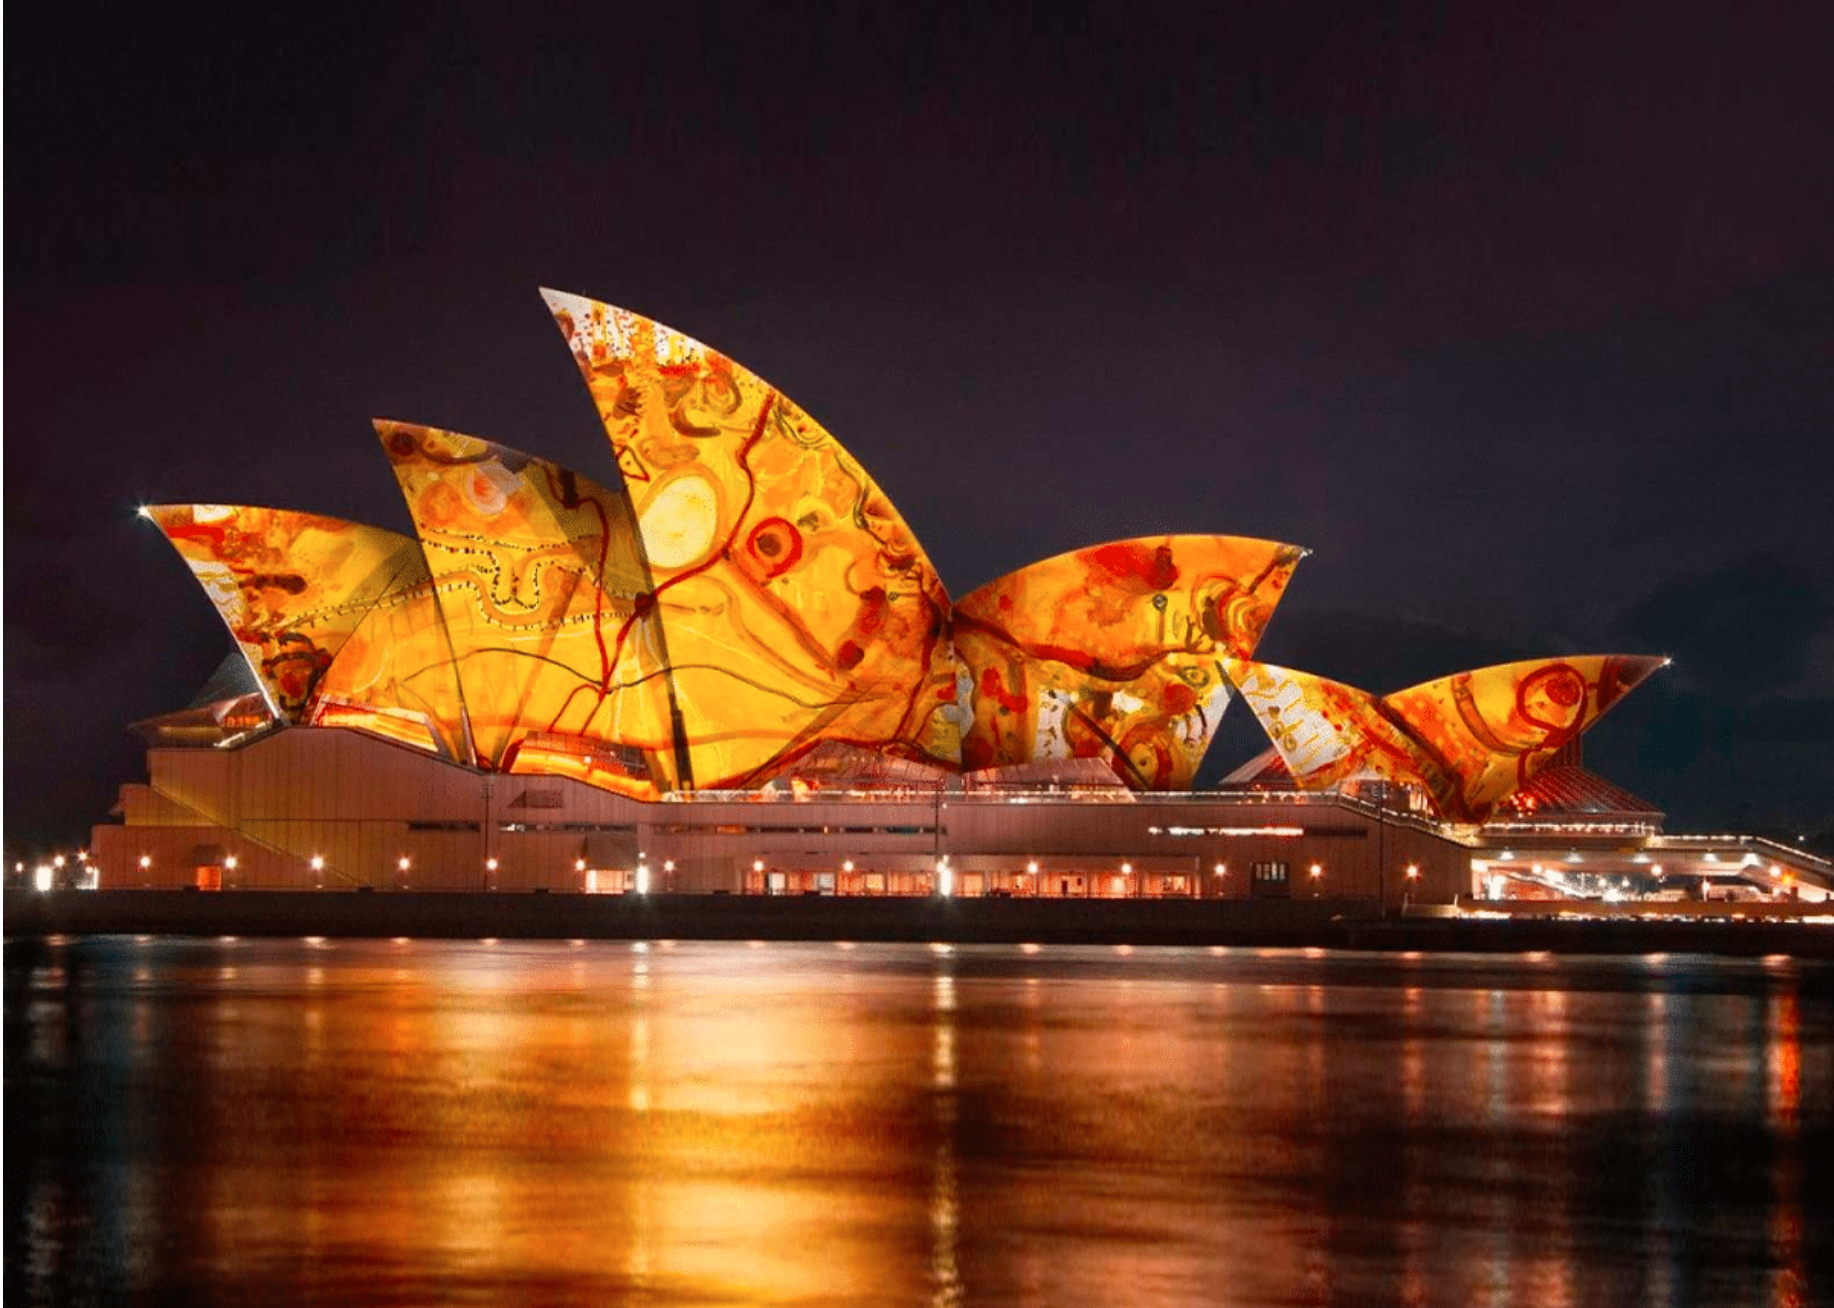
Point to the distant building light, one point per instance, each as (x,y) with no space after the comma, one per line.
(579,865)
(1222,869)
(668,865)
(318,862)
(1032,866)
(1413,872)
(491,864)
(145,862)
(42,875)
(1127,869)
(230,863)
(58,862)
(757,865)
(847,865)
(1318,870)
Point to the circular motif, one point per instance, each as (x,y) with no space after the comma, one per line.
(680,521)
(775,544)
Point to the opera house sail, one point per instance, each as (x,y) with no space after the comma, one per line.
(797,603)
(1115,652)
(735,613)
(1468,741)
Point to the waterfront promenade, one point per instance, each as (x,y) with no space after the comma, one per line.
(1330,924)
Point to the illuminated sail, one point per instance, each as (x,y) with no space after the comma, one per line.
(797,605)
(1114,652)
(1469,741)
(539,581)
(291,587)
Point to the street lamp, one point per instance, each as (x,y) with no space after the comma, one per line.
(1413,876)
(1317,872)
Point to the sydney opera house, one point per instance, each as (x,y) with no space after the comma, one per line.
(731,668)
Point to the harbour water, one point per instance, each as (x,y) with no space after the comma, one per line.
(376,1122)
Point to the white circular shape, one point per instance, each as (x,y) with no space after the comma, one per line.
(680,521)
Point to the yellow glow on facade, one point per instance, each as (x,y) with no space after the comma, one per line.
(1112,652)
(797,604)
(1467,741)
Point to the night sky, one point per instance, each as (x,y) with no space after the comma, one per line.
(1524,324)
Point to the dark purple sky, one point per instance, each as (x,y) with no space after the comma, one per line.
(1525,325)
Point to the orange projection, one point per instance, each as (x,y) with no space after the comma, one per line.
(394,676)
(291,587)
(1114,652)
(540,584)
(1468,741)
(749,604)
(797,604)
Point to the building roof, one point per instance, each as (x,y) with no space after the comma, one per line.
(744,605)
(1572,790)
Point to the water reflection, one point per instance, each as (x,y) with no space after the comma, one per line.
(339,1121)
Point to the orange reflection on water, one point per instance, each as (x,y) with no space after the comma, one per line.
(804,1124)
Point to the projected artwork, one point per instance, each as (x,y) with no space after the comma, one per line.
(1468,741)
(291,587)
(1114,652)
(797,604)
(747,607)
(537,577)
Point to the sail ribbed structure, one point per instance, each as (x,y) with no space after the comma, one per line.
(334,618)
(1467,741)
(291,587)
(537,576)
(745,608)
(1114,652)
(797,603)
